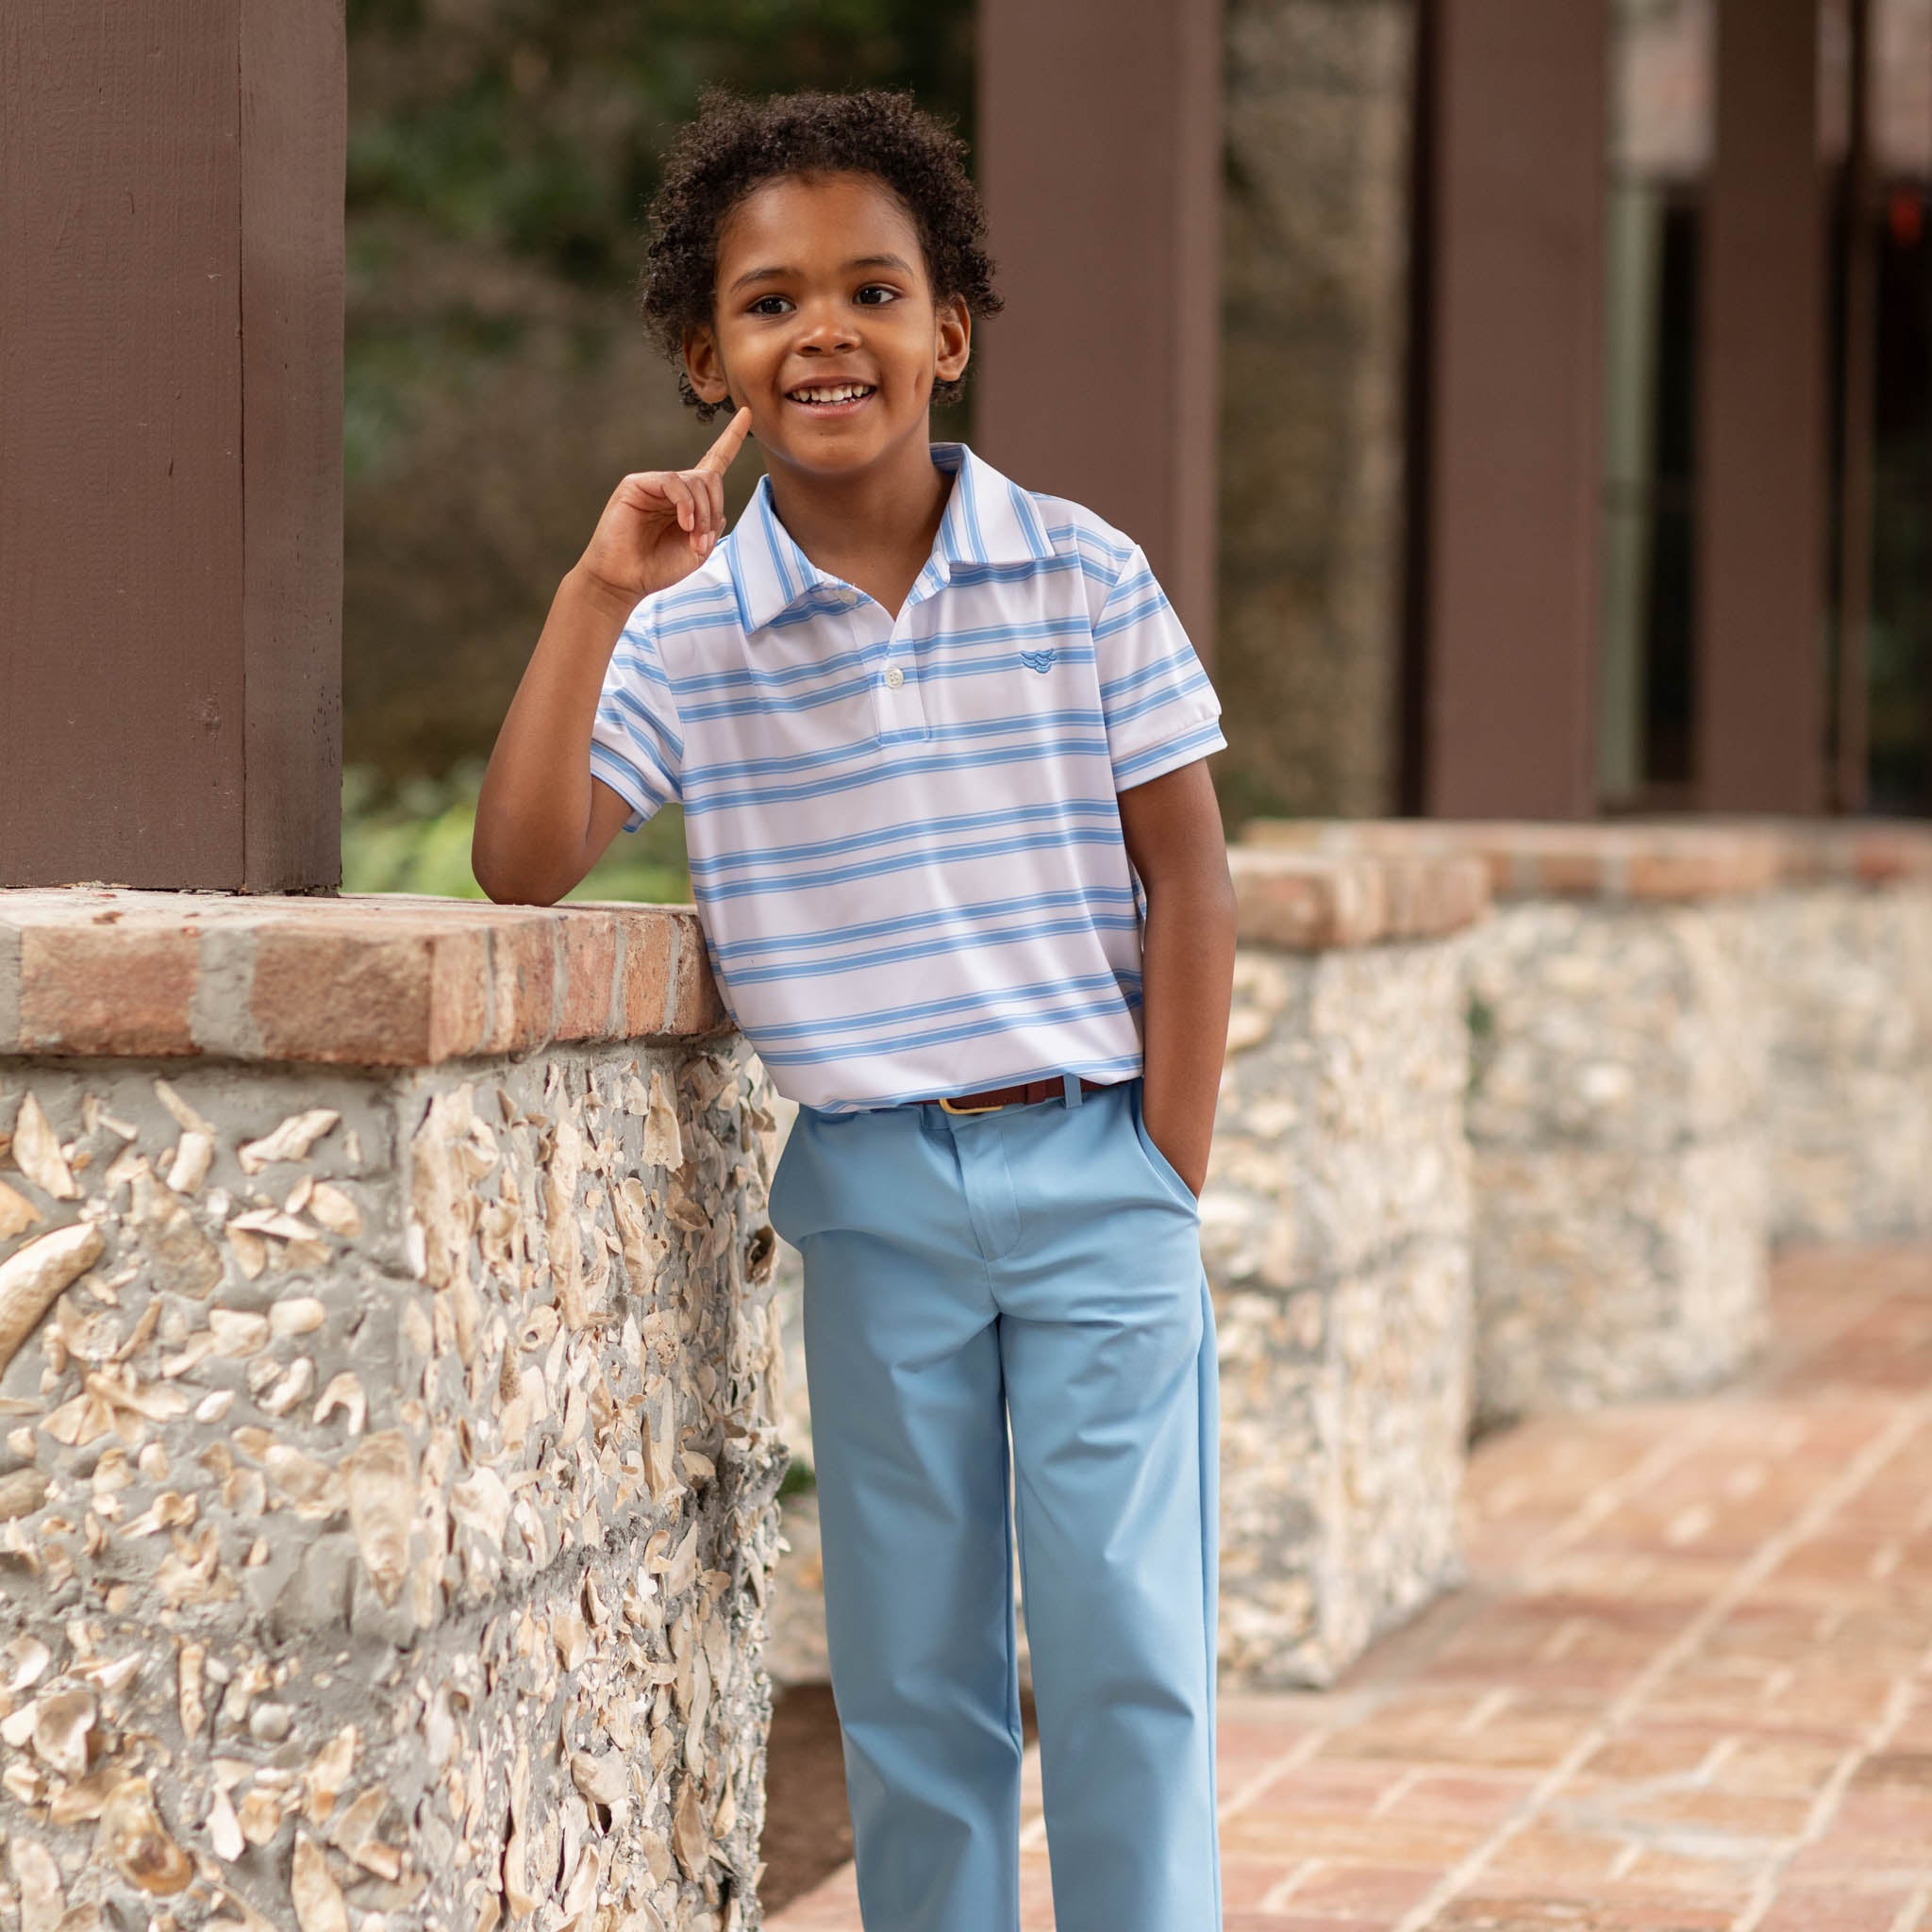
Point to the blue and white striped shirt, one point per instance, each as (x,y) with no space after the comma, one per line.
(905,845)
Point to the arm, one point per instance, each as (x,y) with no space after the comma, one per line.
(1174,839)
(541,819)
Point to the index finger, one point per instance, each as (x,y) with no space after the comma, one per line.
(718,458)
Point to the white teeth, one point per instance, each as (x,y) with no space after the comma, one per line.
(844,392)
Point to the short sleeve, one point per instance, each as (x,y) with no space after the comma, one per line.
(1160,710)
(636,747)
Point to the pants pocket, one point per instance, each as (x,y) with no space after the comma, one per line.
(1164,1169)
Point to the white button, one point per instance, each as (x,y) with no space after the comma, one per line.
(848,598)
(896,677)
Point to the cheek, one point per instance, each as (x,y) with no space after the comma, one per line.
(754,355)
(909,349)
(746,351)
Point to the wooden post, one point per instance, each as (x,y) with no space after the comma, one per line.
(171,400)
(1762,688)
(1517,127)
(1858,404)
(1099,154)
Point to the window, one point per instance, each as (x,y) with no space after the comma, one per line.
(1662,124)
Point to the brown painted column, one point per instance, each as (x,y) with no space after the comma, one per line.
(1760,702)
(1513,341)
(171,399)
(1099,152)
(1857,299)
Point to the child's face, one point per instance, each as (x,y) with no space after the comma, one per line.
(821,285)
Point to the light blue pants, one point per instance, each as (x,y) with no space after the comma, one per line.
(1037,1267)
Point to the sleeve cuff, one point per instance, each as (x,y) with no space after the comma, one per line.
(628,783)
(1182,747)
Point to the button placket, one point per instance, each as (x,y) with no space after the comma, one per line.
(899,704)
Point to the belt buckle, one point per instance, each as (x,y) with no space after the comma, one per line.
(946,1107)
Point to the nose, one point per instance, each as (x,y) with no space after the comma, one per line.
(828,328)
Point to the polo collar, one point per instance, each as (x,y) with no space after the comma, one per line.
(987,521)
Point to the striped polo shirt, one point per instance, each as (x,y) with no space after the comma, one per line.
(905,846)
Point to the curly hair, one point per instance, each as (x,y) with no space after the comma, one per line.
(735,144)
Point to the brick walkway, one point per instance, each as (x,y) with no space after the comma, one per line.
(1687,1689)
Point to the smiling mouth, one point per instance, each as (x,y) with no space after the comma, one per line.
(831,398)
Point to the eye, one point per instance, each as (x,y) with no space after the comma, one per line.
(876,289)
(758,307)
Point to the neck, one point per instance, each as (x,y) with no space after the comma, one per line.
(890,509)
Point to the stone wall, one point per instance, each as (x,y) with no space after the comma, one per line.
(1616,1123)
(391,1405)
(1616,1116)
(1849,1109)
(1336,1230)
(1840,957)
(796,1623)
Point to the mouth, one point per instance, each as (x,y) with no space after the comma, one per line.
(831,398)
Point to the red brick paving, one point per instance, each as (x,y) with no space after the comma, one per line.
(1688,1687)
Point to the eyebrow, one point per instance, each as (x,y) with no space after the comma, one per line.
(768,274)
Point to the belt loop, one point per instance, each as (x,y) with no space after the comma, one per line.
(1070,1090)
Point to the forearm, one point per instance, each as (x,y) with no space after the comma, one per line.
(1186,989)
(533,814)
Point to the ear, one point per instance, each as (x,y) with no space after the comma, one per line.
(705,366)
(952,338)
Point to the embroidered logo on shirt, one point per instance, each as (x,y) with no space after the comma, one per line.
(1036,660)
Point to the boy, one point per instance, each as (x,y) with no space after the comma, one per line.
(923,723)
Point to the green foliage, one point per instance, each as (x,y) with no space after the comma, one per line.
(536,128)
(415,838)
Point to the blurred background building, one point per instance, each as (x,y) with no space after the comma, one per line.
(1668,432)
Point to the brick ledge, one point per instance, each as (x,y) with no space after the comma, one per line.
(1658,859)
(1864,851)
(1317,902)
(1621,860)
(384,979)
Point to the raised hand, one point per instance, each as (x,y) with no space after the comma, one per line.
(660,524)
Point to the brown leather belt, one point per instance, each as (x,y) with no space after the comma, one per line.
(1019,1095)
